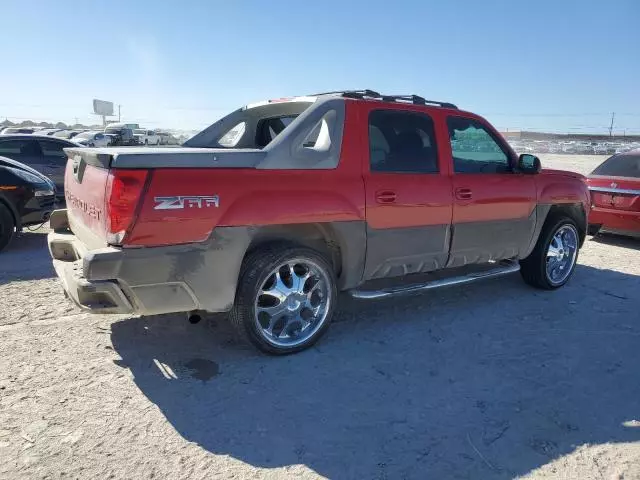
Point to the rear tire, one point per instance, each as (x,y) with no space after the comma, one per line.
(535,268)
(7,226)
(285,298)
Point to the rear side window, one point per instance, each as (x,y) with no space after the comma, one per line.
(474,149)
(625,165)
(232,137)
(20,147)
(9,147)
(402,142)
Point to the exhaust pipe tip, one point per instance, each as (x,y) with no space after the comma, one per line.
(193,318)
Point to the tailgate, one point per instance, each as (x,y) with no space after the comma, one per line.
(618,193)
(85,182)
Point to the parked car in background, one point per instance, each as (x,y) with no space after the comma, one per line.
(361,198)
(63,134)
(600,149)
(120,134)
(42,153)
(48,131)
(68,134)
(12,130)
(26,198)
(167,139)
(615,195)
(146,137)
(92,139)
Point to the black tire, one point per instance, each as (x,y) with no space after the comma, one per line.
(255,271)
(533,268)
(7,226)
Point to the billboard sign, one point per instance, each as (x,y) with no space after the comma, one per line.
(100,107)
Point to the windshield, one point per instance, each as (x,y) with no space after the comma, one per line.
(139,132)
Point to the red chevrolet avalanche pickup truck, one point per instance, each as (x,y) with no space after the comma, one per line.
(274,209)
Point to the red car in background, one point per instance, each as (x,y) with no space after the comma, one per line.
(615,195)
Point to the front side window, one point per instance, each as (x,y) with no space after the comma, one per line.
(402,142)
(474,149)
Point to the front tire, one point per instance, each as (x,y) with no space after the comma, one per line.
(7,226)
(285,299)
(555,255)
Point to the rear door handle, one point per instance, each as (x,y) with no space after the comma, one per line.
(386,196)
(464,193)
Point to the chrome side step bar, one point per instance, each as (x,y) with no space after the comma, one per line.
(502,268)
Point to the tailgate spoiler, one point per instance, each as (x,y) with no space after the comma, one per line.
(145,157)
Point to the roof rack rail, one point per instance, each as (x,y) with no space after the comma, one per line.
(415,99)
(350,93)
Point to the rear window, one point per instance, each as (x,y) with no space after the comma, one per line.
(624,165)
(270,128)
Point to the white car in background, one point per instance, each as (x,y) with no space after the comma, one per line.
(168,139)
(92,139)
(146,137)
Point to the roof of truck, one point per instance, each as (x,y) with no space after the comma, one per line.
(367,94)
(358,95)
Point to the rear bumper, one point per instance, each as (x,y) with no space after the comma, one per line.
(148,281)
(615,221)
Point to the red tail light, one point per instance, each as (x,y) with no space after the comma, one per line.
(124,190)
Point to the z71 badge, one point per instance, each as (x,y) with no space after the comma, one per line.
(175,203)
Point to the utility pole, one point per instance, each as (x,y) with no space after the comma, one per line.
(613,115)
(119,112)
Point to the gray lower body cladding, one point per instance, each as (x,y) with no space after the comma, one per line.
(204,276)
(179,278)
(153,280)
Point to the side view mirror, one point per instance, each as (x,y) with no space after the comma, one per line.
(528,163)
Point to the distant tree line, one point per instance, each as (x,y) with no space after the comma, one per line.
(61,125)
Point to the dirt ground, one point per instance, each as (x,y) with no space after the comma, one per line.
(490,381)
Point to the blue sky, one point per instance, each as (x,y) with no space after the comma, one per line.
(544,65)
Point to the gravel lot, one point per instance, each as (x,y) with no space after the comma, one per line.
(493,380)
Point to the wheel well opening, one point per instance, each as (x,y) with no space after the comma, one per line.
(316,236)
(576,213)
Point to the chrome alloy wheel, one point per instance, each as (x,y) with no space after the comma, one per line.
(561,254)
(292,303)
